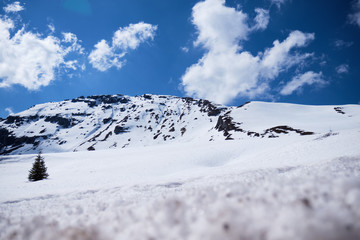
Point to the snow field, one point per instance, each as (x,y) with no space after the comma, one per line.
(287,188)
(317,202)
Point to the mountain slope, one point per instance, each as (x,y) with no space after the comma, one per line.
(118,121)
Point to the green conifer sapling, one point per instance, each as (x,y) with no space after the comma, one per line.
(38,171)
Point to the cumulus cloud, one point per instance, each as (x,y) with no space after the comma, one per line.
(105,56)
(343,68)
(30,59)
(13,7)
(299,81)
(226,70)
(355,16)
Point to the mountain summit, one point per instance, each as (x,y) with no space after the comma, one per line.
(119,121)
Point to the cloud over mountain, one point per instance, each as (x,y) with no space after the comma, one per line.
(227,70)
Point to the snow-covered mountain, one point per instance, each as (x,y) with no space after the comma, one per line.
(119,121)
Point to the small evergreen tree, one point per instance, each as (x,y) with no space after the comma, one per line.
(38,171)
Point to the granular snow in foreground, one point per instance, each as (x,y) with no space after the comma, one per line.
(321,201)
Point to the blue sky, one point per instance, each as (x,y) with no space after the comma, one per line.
(229,52)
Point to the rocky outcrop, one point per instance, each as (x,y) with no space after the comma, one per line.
(225,123)
(120,129)
(286,130)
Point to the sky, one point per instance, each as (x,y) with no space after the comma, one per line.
(229,52)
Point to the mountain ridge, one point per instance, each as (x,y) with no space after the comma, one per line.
(119,121)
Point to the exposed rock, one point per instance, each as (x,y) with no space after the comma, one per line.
(106,120)
(18,120)
(63,122)
(146,96)
(91,148)
(339,110)
(182,130)
(119,129)
(226,124)
(286,130)
(209,108)
(10,142)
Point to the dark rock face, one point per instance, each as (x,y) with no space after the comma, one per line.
(17,120)
(148,97)
(182,130)
(119,129)
(93,101)
(9,142)
(63,122)
(91,148)
(339,110)
(226,124)
(286,130)
(209,108)
(106,120)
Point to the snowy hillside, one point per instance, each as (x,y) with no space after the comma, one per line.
(118,121)
(105,122)
(262,171)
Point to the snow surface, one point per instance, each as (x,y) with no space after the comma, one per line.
(289,187)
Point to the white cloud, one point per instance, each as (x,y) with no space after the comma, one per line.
(213,21)
(75,43)
(355,16)
(128,38)
(343,68)
(226,70)
(13,7)
(104,57)
(262,19)
(9,110)
(299,81)
(278,58)
(28,58)
(221,76)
